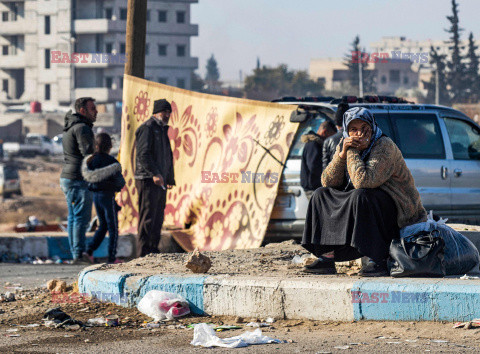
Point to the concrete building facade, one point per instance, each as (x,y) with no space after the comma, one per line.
(31,32)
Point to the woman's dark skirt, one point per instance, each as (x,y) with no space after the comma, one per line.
(356,223)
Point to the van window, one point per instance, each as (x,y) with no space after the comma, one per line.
(464,138)
(419,136)
(384,124)
(297,145)
(11,173)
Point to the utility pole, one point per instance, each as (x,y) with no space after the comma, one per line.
(437,88)
(360,78)
(136,37)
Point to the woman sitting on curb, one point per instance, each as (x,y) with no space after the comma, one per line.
(368,195)
(104,176)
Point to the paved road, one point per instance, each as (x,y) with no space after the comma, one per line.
(33,275)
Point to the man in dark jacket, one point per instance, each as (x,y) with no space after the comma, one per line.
(311,168)
(153,176)
(77,143)
(330,144)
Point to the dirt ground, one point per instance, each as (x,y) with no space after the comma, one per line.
(300,336)
(41,193)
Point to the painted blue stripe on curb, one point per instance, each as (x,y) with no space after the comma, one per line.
(415,300)
(59,246)
(104,286)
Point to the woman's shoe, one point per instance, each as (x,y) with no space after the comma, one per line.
(373,269)
(321,266)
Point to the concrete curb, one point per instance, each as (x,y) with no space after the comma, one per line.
(313,298)
(40,245)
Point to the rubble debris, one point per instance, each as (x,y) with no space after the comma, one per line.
(7,297)
(57,286)
(475,323)
(161,305)
(96,322)
(56,318)
(198,263)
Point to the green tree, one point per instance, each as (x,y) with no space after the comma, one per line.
(268,83)
(473,84)
(213,75)
(456,77)
(438,62)
(197,82)
(353,70)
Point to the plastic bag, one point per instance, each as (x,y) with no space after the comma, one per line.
(205,336)
(161,305)
(461,255)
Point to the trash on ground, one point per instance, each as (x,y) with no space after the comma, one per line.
(258,324)
(270,320)
(161,305)
(13,335)
(342,347)
(225,328)
(303,260)
(204,335)
(56,318)
(198,263)
(111,320)
(96,322)
(466,277)
(32,325)
(475,323)
(7,297)
(439,341)
(12,330)
(57,286)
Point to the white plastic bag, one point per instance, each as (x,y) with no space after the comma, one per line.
(461,255)
(205,336)
(161,305)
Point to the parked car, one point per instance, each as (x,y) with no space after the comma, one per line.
(441,147)
(9,180)
(58,144)
(35,144)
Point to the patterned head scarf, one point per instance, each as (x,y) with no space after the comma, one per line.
(367,116)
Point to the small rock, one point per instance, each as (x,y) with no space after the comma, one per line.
(290,341)
(198,263)
(87,340)
(51,284)
(239,319)
(9,296)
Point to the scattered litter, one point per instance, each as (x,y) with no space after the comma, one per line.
(257,324)
(12,330)
(269,320)
(439,341)
(56,318)
(111,320)
(7,297)
(226,328)
(468,277)
(152,325)
(204,335)
(74,327)
(84,310)
(394,342)
(161,305)
(469,324)
(301,260)
(380,337)
(198,263)
(13,335)
(342,347)
(98,321)
(411,340)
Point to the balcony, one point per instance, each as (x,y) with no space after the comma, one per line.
(180,29)
(101,94)
(98,25)
(12,61)
(16,27)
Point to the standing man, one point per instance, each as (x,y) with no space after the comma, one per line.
(330,144)
(77,143)
(153,176)
(311,168)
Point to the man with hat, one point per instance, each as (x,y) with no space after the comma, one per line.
(330,144)
(153,176)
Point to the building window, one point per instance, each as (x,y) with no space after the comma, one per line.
(180,16)
(122,48)
(405,80)
(108,13)
(148,15)
(162,50)
(147,49)
(109,48)
(47,92)
(5,85)
(162,16)
(383,80)
(14,45)
(181,50)
(121,82)
(109,82)
(47,58)
(4,49)
(5,16)
(47,24)
(394,76)
(181,83)
(123,14)
(163,80)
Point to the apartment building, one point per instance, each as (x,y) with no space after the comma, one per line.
(33,32)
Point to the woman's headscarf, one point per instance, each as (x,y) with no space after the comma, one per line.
(367,116)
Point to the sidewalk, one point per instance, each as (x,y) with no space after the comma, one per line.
(265,283)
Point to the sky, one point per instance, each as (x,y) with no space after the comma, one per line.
(292,32)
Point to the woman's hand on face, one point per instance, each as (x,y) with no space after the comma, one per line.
(349,142)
